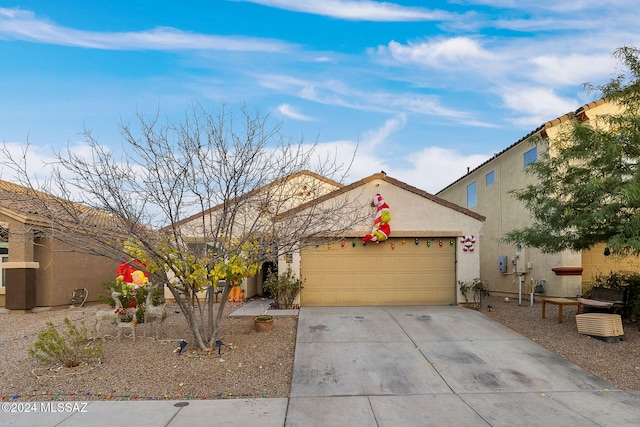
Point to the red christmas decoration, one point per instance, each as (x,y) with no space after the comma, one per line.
(467,243)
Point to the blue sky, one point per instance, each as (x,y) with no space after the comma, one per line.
(425,89)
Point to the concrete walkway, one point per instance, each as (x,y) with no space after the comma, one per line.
(390,366)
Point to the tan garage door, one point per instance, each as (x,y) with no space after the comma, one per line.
(395,272)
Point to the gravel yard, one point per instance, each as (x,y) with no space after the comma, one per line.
(615,362)
(251,364)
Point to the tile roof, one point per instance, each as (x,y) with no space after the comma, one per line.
(37,208)
(253,193)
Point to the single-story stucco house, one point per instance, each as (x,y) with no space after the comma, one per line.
(38,270)
(427,252)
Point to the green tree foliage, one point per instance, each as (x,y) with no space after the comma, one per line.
(588,181)
(284,288)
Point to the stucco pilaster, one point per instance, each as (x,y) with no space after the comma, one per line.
(21,247)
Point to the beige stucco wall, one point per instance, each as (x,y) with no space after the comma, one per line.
(504,213)
(298,190)
(413,215)
(62,270)
(20,240)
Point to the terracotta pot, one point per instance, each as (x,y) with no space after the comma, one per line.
(263,323)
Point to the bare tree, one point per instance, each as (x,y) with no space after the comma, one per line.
(197,201)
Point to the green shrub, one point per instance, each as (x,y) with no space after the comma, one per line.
(69,348)
(474,290)
(283,288)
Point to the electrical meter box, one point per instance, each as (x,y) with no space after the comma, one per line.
(502,263)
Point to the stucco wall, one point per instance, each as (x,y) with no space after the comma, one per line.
(413,215)
(504,213)
(62,270)
(595,263)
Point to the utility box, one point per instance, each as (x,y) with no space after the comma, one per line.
(520,261)
(20,293)
(503,261)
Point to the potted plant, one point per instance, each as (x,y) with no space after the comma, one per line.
(263,323)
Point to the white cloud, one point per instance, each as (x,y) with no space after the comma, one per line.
(438,52)
(35,160)
(34,166)
(554,70)
(430,169)
(291,112)
(433,168)
(354,10)
(377,137)
(16,24)
(536,105)
(369,158)
(338,93)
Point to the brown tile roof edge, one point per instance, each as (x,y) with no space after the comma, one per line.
(16,201)
(582,110)
(393,181)
(253,192)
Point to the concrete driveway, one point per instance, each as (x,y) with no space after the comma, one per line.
(438,366)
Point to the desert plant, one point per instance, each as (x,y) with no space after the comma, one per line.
(465,289)
(475,290)
(69,348)
(284,288)
(480,289)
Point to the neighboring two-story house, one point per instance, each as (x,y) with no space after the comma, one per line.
(419,264)
(486,190)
